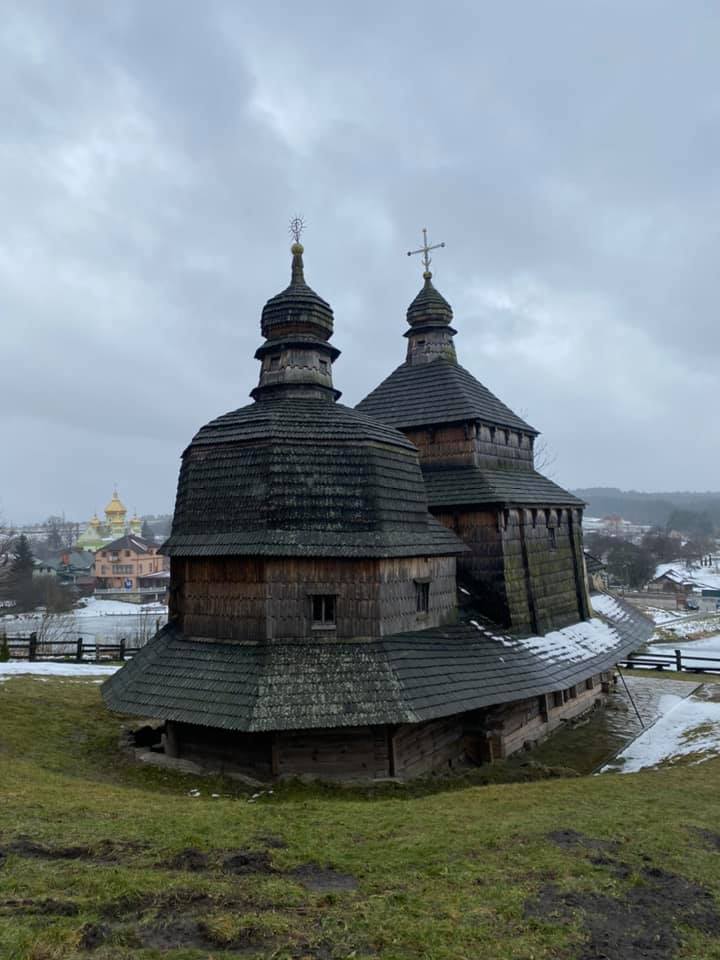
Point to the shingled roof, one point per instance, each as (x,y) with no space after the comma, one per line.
(303,477)
(462,486)
(442,391)
(404,678)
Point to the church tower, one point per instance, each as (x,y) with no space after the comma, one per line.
(525,563)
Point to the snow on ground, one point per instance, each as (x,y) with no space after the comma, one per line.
(19,668)
(660,616)
(687,732)
(687,626)
(95,607)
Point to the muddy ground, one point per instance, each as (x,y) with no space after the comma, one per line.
(644,921)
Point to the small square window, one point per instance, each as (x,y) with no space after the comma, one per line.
(422,597)
(558,698)
(323,610)
(274,363)
(324,368)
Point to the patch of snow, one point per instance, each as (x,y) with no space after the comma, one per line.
(689,732)
(19,668)
(96,607)
(576,642)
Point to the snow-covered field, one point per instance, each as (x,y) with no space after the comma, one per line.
(100,620)
(19,668)
(709,647)
(688,731)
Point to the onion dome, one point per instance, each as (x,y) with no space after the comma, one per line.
(298,309)
(115,508)
(429,306)
(296,357)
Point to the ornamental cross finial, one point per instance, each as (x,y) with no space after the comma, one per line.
(297,225)
(425,251)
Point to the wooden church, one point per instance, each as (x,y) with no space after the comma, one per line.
(385,591)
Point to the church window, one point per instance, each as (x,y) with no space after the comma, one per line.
(553,538)
(127,553)
(422,596)
(274,363)
(323,366)
(323,610)
(558,698)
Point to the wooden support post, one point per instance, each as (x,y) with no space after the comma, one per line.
(79,650)
(678,660)
(32,646)
(122,649)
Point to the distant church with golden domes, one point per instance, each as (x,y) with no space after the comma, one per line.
(116,525)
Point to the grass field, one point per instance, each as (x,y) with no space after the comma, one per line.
(102,859)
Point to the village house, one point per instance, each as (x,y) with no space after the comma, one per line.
(385,591)
(131,568)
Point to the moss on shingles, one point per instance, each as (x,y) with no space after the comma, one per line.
(439,873)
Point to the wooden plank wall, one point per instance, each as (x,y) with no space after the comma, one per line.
(229,750)
(484,566)
(397,597)
(543,583)
(222,598)
(252,600)
(473,443)
(424,747)
(345,752)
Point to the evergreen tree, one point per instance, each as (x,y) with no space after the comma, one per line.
(21,572)
(146,532)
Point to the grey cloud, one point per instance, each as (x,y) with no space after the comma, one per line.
(152,154)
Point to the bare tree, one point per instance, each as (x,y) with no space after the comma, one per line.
(53,629)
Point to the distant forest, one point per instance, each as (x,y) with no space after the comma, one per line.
(658,509)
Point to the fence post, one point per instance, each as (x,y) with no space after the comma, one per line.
(122,648)
(678,660)
(79,650)
(32,646)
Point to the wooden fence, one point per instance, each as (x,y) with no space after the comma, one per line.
(678,661)
(80,651)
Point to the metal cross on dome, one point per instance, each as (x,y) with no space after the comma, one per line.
(425,250)
(297,225)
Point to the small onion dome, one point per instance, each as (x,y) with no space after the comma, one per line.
(115,507)
(429,306)
(298,309)
(94,520)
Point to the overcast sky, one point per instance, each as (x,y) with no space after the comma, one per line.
(152,153)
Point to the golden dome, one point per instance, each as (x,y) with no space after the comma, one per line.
(115,508)
(94,520)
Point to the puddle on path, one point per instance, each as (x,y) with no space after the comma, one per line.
(588,744)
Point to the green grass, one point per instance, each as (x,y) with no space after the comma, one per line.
(443,870)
